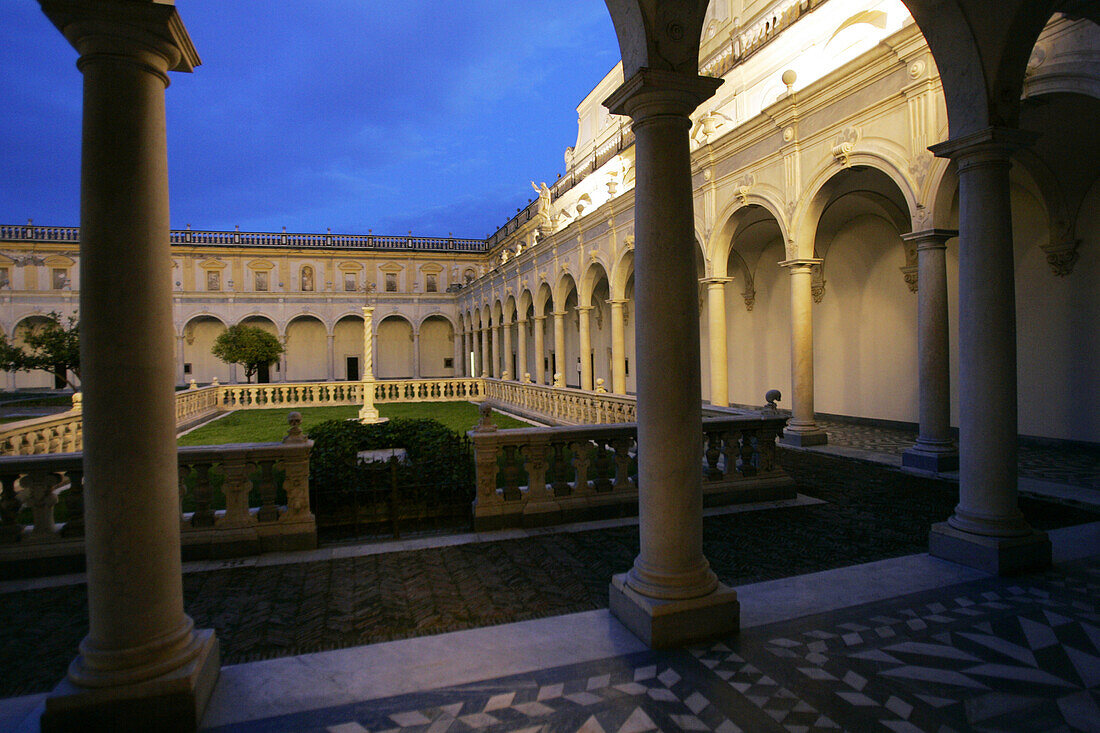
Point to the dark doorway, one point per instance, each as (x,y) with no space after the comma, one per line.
(353,368)
(263,374)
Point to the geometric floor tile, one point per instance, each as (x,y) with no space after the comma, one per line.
(994,655)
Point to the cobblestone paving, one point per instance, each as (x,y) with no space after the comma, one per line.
(1075,465)
(871,513)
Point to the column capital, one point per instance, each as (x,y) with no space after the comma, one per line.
(801,264)
(991,144)
(521,321)
(368,310)
(930,238)
(653,92)
(711,282)
(125,30)
(559,314)
(539,318)
(616,301)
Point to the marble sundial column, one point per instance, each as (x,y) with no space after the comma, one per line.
(506,370)
(540,350)
(618,347)
(521,349)
(670,595)
(559,348)
(716,330)
(987,530)
(585,338)
(143,664)
(368,413)
(935,449)
(801,428)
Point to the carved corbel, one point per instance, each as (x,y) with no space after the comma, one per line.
(1062,257)
(817,283)
(844,145)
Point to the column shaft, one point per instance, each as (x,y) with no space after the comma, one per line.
(801,429)
(987,529)
(540,349)
(585,338)
(494,369)
(716,328)
(332,357)
(935,449)
(559,365)
(618,347)
(506,370)
(521,350)
(416,354)
(483,367)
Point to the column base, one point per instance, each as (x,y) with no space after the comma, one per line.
(804,438)
(661,623)
(169,703)
(917,459)
(995,555)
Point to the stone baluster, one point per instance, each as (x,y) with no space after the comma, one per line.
(623,459)
(535,466)
(559,470)
(203,494)
(38,494)
(74,503)
(581,462)
(712,454)
(236,487)
(269,512)
(10,528)
(511,473)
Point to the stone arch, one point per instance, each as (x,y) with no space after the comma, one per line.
(824,189)
(543,296)
(436,338)
(197,335)
(394,347)
(347,347)
(593,274)
(735,216)
(621,274)
(307,349)
(565,285)
(37,379)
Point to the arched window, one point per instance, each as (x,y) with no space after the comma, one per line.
(307,279)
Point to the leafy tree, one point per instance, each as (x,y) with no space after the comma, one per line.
(53,346)
(249,346)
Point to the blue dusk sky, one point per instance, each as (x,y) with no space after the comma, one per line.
(350,114)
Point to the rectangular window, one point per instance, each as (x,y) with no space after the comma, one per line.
(391,282)
(351,283)
(213,280)
(60,278)
(187,367)
(5,278)
(431,283)
(261,282)
(448,362)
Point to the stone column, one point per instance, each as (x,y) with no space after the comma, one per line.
(559,365)
(181,377)
(332,357)
(716,326)
(484,366)
(987,530)
(459,340)
(618,347)
(506,370)
(671,595)
(585,334)
(416,354)
(801,429)
(521,349)
(142,665)
(494,368)
(540,349)
(282,362)
(935,449)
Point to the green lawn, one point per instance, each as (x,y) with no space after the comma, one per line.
(267,426)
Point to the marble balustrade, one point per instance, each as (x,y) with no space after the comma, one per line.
(43,483)
(532,477)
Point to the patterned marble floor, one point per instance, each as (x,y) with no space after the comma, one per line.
(989,655)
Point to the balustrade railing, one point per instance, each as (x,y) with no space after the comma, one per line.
(537,476)
(235,500)
(562,404)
